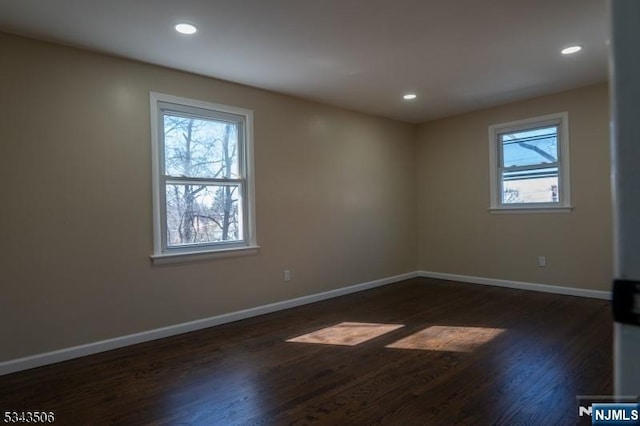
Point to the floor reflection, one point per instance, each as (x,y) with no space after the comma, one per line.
(217,397)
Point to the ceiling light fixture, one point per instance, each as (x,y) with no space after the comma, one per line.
(409,96)
(571,49)
(183,28)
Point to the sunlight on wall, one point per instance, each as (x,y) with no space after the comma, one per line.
(449,339)
(346,333)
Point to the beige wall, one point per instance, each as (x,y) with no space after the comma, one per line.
(335,201)
(458,235)
(335,198)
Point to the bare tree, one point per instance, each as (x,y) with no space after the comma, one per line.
(532,147)
(512,195)
(197,148)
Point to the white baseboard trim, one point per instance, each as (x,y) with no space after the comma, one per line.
(19,364)
(545,288)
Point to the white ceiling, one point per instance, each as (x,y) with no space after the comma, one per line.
(457,55)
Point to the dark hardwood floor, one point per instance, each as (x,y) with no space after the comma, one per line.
(480,355)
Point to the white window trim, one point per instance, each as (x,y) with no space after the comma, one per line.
(250,245)
(564,206)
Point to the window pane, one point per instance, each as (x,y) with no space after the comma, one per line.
(200,147)
(530,147)
(530,186)
(201,214)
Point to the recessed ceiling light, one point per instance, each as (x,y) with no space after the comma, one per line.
(410,96)
(571,49)
(185,28)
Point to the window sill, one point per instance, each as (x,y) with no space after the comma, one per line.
(530,210)
(203,255)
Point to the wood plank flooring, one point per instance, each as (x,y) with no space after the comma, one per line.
(546,350)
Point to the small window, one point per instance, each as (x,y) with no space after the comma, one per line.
(530,164)
(202,186)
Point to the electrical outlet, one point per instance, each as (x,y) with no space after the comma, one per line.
(542,261)
(287,275)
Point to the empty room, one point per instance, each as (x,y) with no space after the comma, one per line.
(333,212)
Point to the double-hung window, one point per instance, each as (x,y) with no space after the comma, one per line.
(529,163)
(202,178)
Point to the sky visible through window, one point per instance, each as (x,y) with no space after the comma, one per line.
(523,156)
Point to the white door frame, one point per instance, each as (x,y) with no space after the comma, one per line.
(625,130)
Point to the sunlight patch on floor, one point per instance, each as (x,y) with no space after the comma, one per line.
(346,333)
(449,339)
